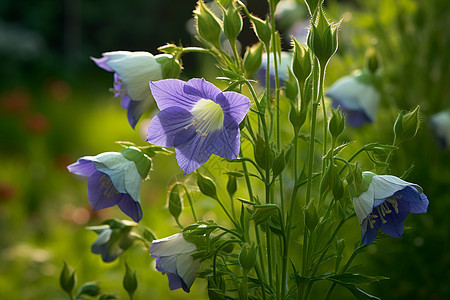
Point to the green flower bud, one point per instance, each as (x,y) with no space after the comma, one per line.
(262,29)
(67,279)
(311,216)
(301,63)
(322,38)
(129,281)
(291,87)
(175,204)
(247,257)
(372,60)
(326,184)
(231,185)
(338,187)
(89,289)
(206,186)
(142,161)
(208,25)
(232,22)
(407,125)
(337,123)
(278,165)
(312,5)
(171,66)
(252,58)
(260,152)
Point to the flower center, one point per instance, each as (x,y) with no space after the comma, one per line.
(383,210)
(207,117)
(107,186)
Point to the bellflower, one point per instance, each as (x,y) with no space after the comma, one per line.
(357,98)
(198,119)
(132,72)
(441,127)
(384,204)
(284,61)
(115,178)
(174,258)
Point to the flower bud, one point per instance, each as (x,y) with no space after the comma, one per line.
(296,117)
(278,165)
(142,161)
(372,60)
(337,123)
(170,66)
(260,152)
(338,187)
(301,63)
(90,289)
(312,5)
(207,186)
(232,22)
(291,87)
(231,185)
(262,29)
(67,278)
(311,217)
(208,25)
(129,281)
(252,58)
(326,184)
(247,257)
(175,204)
(322,38)
(407,125)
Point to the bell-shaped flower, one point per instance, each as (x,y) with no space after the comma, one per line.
(113,239)
(440,123)
(174,258)
(132,72)
(198,119)
(284,61)
(115,178)
(384,203)
(357,98)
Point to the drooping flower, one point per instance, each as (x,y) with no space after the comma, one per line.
(174,258)
(132,72)
(384,204)
(357,98)
(113,239)
(284,61)
(198,119)
(441,127)
(115,178)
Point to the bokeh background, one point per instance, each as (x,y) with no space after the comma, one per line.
(55,107)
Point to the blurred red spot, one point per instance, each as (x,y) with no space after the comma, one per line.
(7,191)
(37,123)
(59,89)
(15,101)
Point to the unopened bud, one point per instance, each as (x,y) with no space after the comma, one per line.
(311,217)
(407,124)
(206,186)
(232,22)
(372,60)
(301,63)
(247,257)
(208,25)
(337,123)
(171,66)
(129,281)
(252,58)
(262,29)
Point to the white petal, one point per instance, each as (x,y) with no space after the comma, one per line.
(441,124)
(364,204)
(171,245)
(136,69)
(187,268)
(387,185)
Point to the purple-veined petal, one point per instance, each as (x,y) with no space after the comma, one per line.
(101,191)
(418,202)
(369,235)
(101,62)
(83,167)
(201,89)
(170,92)
(135,110)
(130,207)
(192,154)
(174,281)
(234,104)
(227,141)
(169,122)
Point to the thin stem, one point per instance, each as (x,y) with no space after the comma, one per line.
(190,203)
(388,158)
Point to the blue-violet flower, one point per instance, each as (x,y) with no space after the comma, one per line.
(198,119)
(385,203)
(174,258)
(284,61)
(357,98)
(132,72)
(115,178)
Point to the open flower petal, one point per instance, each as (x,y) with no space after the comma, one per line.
(165,126)
(170,92)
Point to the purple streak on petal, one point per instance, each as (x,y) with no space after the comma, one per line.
(130,207)
(234,104)
(135,110)
(101,192)
(167,124)
(175,282)
(192,154)
(169,92)
(201,89)
(125,102)
(101,62)
(371,233)
(395,222)
(82,167)
(226,143)
(418,202)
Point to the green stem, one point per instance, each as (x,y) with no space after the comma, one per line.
(190,202)
(388,158)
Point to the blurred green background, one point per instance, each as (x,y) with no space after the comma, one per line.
(55,107)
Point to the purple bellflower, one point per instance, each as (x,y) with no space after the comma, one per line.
(357,98)
(174,258)
(385,204)
(284,61)
(132,72)
(198,119)
(440,123)
(115,178)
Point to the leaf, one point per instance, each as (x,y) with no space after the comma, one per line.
(359,293)
(349,278)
